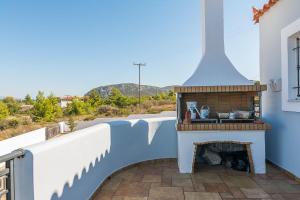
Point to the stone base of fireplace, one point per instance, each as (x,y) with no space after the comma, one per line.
(255,141)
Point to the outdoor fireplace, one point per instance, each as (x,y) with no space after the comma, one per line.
(217,104)
(230,155)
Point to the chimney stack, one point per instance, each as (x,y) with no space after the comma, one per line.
(212,26)
(215,69)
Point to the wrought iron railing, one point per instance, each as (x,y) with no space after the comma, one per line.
(7,174)
(297,49)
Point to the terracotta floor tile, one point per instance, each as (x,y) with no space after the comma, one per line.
(182,182)
(117,198)
(129,198)
(183,176)
(201,196)
(160,193)
(216,187)
(237,193)
(166,181)
(186,184)
(260,180)
(126,175)
(239,181)
(277,196)
(103,195)
(255,193)
(150,170)
(226,195)
(137,189)
(292,182)
(198,187)
(277,186)
(174,173)
(206,178)
(111,184)
(152,179)
(169,172)
(271,188)
(273,170)
(291,196)
(161,180)
(137,177)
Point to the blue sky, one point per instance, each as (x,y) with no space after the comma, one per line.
(70,46)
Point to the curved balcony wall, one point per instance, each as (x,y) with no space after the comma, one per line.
(75,165)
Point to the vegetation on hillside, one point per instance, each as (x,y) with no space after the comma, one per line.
(131,89)
(17,115)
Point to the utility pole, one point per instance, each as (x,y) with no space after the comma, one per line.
(139,65)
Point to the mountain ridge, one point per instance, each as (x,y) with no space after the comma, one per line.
(131,89)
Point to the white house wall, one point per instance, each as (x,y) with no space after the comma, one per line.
(74,166)
(282,144)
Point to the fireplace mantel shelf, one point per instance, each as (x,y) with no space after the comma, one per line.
(223,127)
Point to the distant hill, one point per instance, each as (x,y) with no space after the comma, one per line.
(131,89)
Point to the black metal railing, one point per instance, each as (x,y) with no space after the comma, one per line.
(7,175)
(297,49)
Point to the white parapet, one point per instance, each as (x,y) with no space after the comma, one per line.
(73,166)
(21,141)
(186,140)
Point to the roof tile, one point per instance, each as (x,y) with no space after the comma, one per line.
(257,13)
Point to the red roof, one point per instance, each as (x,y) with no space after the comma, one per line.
(257,13)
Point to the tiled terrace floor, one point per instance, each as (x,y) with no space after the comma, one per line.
(161,180)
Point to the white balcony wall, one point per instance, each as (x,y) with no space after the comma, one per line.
(282,143)
(73,166)
(27,139)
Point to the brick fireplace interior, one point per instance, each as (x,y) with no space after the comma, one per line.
(222,99)
(221,102)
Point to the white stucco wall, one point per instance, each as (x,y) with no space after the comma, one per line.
(73,166)
(187,139)
(26,139)
(282,143)
(214,58)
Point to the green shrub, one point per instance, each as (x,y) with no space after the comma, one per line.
(28,100)
(13,123)
(78,107)
(116,98)
(12,105)
(46,109)
(147,105)
(4,112)
(89,118)
(26,120)
(71,123)
(107,110)
(3,125)
(94,99)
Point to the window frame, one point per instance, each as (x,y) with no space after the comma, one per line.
(288,104)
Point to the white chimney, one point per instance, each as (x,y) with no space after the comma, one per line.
(215,69)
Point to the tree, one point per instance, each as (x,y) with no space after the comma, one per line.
(78,107)
(72,124)
(94,99)
(12,105)
(172,95)
(28,100)
(46,109)
(4,112)
(116,98)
